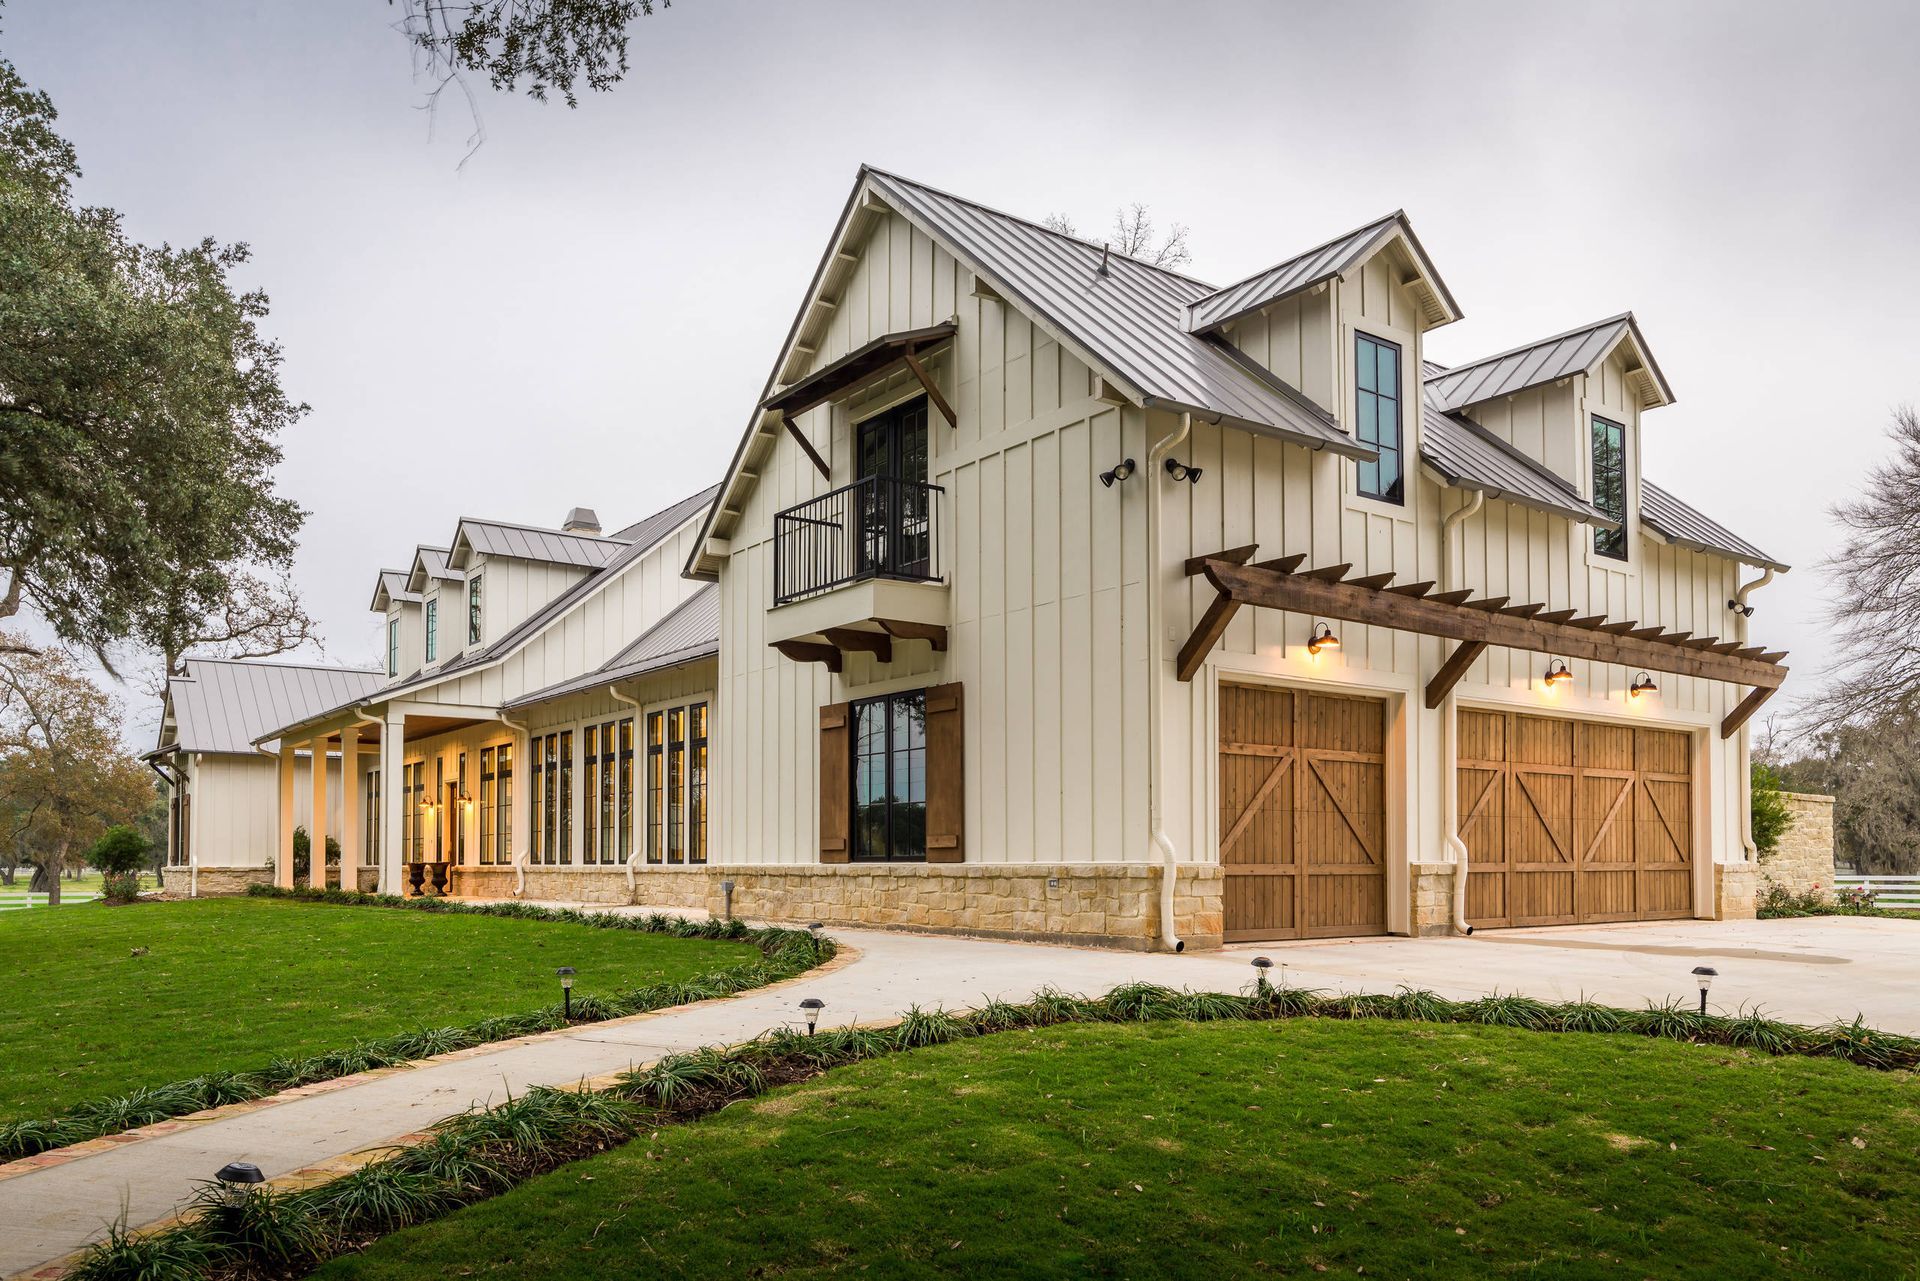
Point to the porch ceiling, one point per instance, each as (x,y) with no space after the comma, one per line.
(1475,624)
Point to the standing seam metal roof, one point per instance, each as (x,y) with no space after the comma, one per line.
(224,705)
(1687,526)
(524,542)
(691,631)
(1132,320)
(1535,364)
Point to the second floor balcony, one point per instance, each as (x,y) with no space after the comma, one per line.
(857,570)
(879,527)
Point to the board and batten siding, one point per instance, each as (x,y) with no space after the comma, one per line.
(1043,561)
(234,818)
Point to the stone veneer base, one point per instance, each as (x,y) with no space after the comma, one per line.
(1106,905)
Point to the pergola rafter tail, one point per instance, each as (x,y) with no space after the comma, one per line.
(1475,624)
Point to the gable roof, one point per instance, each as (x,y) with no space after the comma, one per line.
(529,542)
(690,632)
(1325,262)
(649,533)
(392,586)
(225,705)
(1687,526)
(1549,360)
(430,563)
(1128,324)
(1468,456)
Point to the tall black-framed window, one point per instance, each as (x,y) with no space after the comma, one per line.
(433,629)
(460,812)
(393,647)
(371,848)
(697,783)
(609,758)
(473,610)
(1610,486)
(503,804)
(626,789)
(565,847)
(890,451)
(590,849)
(677,785)
(890,777)
(487,803)
(1377,408)
(656,786)
(440,797)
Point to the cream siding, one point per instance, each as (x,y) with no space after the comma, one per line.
(235,805)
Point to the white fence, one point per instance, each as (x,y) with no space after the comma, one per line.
(1893,891)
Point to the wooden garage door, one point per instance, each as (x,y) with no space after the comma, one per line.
(1302,814)
(1568,822)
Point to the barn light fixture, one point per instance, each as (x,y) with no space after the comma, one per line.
(1261,965)
(1642,684)
(1558,673)
(1119,471)
(1323,638)
(1704,975)
(1180,471)
(811,1007)
(566,973)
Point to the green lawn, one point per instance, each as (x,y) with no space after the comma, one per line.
(1233,1149)
(234,983)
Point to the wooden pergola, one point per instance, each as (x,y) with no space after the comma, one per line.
(1474,624)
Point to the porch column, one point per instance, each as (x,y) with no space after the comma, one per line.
(283,856)
(393,750)
(317,827)
(353,836)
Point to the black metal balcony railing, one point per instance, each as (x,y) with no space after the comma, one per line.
(880,527)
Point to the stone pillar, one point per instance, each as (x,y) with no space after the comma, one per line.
(317,823)
(353,833)
(393,750)
(283,856)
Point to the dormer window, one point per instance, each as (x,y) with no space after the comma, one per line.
(393,646)
(433,629)
(473,610)
(1610,486)
(1376,403)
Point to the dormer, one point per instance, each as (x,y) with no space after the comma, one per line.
(1571,403)
(401,608)
(508,571)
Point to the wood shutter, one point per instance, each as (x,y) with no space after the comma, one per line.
(836,787)
(946,773)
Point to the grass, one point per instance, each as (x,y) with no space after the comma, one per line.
(1225,1149)
(232,984)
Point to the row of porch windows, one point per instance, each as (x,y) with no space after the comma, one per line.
(675,784)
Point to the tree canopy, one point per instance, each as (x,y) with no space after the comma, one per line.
(141,407)
(532,46)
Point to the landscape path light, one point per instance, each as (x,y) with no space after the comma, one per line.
(235,1177)
(1261,965)
(811,1007)
(1704,975)
(566,973)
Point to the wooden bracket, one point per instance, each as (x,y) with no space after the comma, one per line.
(879,644)
(1234,556)
(932,633)
(1206,634)
(819,463)
(1452,670)
(1743,710)
(810,652)
(933,392)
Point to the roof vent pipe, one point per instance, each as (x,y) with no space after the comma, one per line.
(581,520)
(1105,249)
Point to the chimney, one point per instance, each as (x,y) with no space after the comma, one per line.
(581,520)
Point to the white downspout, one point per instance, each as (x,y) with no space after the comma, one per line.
(1450,727)
(519,857)
(1170,866)
(635,704)
(1739,604)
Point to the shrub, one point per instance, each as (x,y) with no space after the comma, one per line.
(120,853)
(1771,818)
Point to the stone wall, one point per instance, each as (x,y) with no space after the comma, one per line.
(1104,905)
(1736,891)
(1804,859)
(214,882)
(1432,899)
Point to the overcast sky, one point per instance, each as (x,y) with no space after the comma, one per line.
(583,313)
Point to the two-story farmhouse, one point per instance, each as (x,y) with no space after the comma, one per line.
(1062,595)
(1052,594)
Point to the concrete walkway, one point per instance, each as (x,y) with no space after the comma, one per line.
(1806,971)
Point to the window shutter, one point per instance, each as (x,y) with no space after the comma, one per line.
(836,786)
(946,773)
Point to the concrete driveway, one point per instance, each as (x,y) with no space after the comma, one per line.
(1807,971)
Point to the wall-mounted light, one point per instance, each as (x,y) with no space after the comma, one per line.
(1119,471)
(1558,673)
(1642,684)
(1745,611)
(1180,471)
(1323,638)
